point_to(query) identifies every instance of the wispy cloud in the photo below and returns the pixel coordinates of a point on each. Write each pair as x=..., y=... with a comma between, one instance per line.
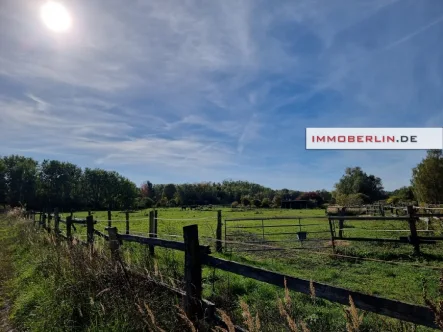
x=191, y=89
x=250, y=133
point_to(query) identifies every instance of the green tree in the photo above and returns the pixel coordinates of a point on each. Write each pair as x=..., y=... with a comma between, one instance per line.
x=403, y=194
x=352, y=199
x=143, y=203
x=104, y=189
x=256, y=202
x=59, y=184
x=126, y=194
x=355, y=181
x=325, y=195
x=162, y=202
x=169, y=191
x=21, y=180
x=427, y=178
x=276, y=202
x=265, y=203
x=245, y=200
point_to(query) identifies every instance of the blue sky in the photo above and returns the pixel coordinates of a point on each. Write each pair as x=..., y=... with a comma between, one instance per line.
x=189, y=91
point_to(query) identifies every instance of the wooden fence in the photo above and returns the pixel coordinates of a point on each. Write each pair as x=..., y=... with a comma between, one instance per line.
x=412, y=218
x=335, y=226
x=197, y=256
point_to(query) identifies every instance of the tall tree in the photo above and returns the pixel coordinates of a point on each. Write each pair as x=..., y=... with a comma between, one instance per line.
x=276, y=202
x=403, y=194
x=146, y=189
x=169, y=191
x=325, y=195
x=355, y=181
x=59, y=184
x=427, y=178
x=21, y=180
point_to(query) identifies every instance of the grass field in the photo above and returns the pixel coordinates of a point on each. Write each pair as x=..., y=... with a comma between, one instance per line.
x=401, y=282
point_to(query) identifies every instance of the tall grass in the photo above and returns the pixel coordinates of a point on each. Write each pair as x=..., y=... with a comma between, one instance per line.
x=61, y=287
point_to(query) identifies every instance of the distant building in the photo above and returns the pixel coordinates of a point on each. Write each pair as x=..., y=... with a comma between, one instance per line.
x=296, y=204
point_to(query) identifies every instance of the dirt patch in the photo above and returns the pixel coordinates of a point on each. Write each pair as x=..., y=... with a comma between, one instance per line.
x=340, y=243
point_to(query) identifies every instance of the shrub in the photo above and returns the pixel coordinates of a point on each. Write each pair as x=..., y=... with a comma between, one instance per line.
x=245, y=201
x=144, y=203
x=265, y=203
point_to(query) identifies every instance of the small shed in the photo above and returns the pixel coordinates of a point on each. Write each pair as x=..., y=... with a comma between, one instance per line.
x=295, y=204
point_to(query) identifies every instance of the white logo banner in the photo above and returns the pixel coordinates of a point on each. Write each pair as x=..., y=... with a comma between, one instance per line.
x=374, y=138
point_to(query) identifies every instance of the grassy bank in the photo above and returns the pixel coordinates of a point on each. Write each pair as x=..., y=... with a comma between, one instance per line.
x=55, y=287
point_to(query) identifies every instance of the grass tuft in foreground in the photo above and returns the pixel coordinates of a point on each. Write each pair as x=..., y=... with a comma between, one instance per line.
x=59, y=287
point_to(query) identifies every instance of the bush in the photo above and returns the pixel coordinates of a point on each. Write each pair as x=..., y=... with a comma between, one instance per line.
x=144, y=203
x=353, y=199
x=265, y=203
x=163, y=202
x=393, y=200
x=245, y=201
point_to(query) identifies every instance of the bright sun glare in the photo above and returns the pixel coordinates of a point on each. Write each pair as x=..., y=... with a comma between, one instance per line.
x=55, y=16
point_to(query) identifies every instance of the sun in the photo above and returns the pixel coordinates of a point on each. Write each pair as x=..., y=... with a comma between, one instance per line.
x=55, y=16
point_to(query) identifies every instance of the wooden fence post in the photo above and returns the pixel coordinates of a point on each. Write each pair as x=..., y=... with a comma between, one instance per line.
x=40, y=218
x=44, y=221
x=69, y=228
x=151, y=229
x=193, y=274
x=218, y=244
x=127, y=222
x=114, y=243
x=414, y=240
x=56, y=221
x=90, y=229
x=155, y=225
x=109, y=218
x=332, y=234
x=341, y=222
x=49, y=222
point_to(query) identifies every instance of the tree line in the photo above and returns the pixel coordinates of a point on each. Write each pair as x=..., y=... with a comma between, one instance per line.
x=25, y=182
x=51, y=183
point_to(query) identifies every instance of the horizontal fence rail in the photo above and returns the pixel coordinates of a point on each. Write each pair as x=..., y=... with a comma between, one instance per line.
x=160, y=243
x=396, y=309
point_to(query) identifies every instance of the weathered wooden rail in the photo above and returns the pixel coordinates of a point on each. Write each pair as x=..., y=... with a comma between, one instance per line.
x=412, y=218
x=197, y=256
